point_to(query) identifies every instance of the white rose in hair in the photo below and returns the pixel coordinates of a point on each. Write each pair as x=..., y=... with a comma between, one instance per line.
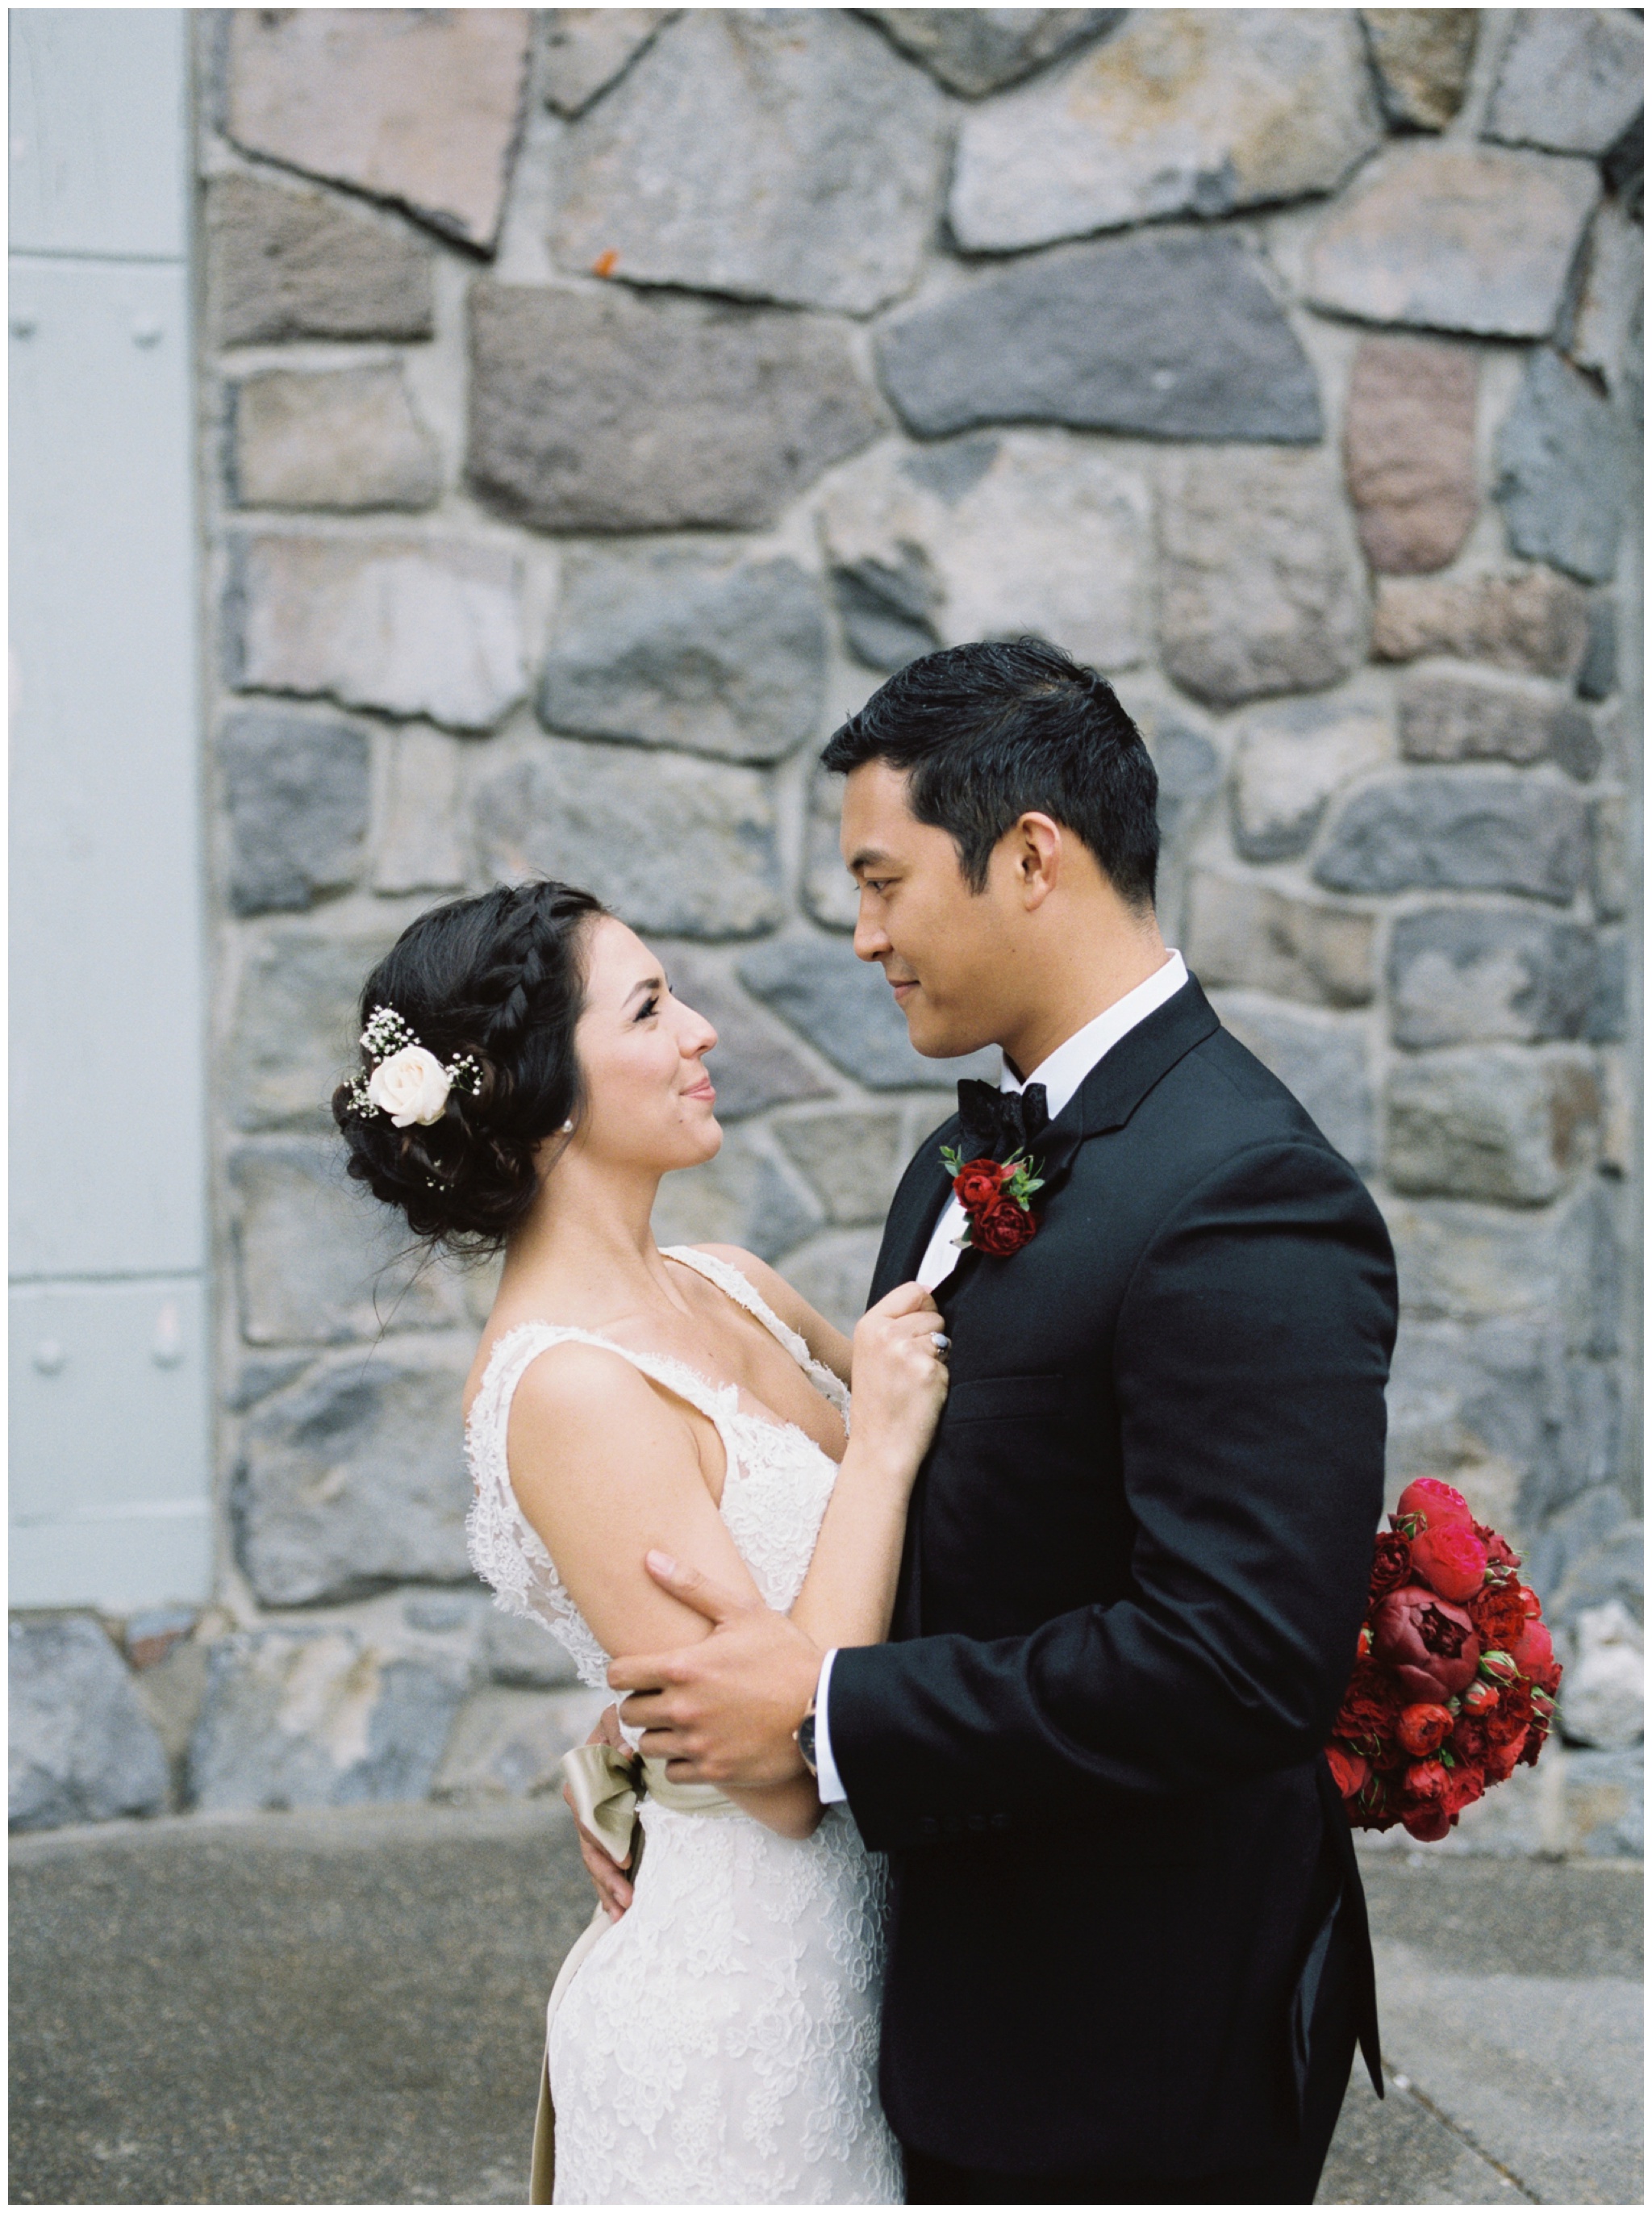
x=411, y=1086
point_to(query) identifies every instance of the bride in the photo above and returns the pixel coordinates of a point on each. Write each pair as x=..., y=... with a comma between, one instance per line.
x=526, y=1079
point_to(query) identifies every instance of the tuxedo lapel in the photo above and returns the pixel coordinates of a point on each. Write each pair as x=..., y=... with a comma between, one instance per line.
x=924, y=1189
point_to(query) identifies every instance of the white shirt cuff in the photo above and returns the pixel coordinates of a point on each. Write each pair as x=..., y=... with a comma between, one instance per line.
x=828, y=1782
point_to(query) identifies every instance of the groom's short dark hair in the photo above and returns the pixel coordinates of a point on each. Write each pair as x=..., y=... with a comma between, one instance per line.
x=991, y=732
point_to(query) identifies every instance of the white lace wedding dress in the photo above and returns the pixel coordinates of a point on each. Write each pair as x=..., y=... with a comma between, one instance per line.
x=719, y=2044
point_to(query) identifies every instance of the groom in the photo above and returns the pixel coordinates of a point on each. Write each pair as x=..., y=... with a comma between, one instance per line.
x=1129, y=1960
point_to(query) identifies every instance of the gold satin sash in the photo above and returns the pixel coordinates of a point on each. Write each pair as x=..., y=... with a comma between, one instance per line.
x=607, y=1786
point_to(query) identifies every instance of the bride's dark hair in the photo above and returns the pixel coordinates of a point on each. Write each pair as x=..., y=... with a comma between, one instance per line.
x=502, y=979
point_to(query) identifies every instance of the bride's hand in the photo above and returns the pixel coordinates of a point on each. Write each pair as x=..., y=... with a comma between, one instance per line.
x=899, y=1378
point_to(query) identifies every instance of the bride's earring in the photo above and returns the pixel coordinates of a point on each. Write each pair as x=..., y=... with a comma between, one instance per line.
x=566, y=1127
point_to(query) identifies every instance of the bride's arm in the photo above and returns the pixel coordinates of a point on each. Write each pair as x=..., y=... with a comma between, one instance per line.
x=900, y=1385
x=606, y=1469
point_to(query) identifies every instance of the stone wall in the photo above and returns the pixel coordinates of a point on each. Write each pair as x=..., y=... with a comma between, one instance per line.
x=595, y=404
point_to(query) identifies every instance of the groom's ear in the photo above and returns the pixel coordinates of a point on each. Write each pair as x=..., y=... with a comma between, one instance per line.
x=1037, y=851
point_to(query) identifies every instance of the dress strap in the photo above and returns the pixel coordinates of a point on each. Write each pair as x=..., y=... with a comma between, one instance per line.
x=729, y=1280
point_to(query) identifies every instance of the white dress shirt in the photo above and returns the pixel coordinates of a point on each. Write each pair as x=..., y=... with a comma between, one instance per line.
x=1061, y=1076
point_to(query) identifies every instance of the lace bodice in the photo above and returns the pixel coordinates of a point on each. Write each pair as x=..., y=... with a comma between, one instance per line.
x=774, y=1492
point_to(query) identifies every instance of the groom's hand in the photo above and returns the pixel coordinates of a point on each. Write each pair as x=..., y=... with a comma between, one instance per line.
x=724, y=1711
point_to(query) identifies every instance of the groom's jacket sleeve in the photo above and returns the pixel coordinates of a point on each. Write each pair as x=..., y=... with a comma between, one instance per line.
x=1250, y=1354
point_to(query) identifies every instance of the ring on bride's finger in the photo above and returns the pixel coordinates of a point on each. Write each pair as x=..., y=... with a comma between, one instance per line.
x=942, y=1343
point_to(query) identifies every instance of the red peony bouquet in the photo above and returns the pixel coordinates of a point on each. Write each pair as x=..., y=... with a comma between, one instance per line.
x=1455, y=1680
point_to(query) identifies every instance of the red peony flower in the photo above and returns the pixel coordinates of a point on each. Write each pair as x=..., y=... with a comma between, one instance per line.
x=1423, y=1728
x=1468, y=1740
x=1002, y=1228
x=1463, y=1785
x=1428, y=1644
x=1499, y=1552
x=1502, y=1760
x=1510, y=1718
x=977, y=1184
x=1533, y=1653
x=1435, y=1501
x=1349, y=1771
x=1370, y=1714
x=1499, y=1667
x=1499, y=1618
x=1428, y=1824
x=1480, y=1697
x=1450, y=1559
x=1392, y=1565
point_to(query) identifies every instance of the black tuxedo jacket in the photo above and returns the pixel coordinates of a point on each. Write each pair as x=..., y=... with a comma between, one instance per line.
x=1135, y=1570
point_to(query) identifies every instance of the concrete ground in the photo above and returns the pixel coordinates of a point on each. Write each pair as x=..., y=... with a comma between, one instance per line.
x=346, y=2007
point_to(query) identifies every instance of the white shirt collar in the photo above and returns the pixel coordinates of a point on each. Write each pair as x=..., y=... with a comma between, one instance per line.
x=1066, y=1068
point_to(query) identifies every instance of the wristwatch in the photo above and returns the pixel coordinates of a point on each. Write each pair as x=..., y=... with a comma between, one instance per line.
x=803, y=1736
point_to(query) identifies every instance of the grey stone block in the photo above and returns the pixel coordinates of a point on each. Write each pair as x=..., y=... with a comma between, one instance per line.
x=354, y=1477
x=1460, y=1262
x=1409, y=439
x=675, y=649
x=1562, y=462
x=1570, y=79
x=1242, y=932
x=1459, y=714
x=82, y=1748
x=323, y=1717
x=979, y=50
x=755, y=1063
x=1485, y=1404
x=1502, y=1123
x=1455, y=236
x=1032, y=531
x=1533, y=621
x=1168, y=334
x=412, y=626
x=1605, y=1805
x=672, y=844
x=509, y=1743
x=524, y=1654
x=1322, y=1060
x=1598, y=677
x=830, y=892
x=1601, y=326
x=1479, y=975
x=1289, y=760
x=296, y=791
x=297, y=1017
x=1484, y=830
x=1180, y=112
x=586, y=48
x=421, y=107
x=420, y=843
x=761, y=154
x=1603, y=1697
x=1262, y=589
x=852, y=1159
x=289, y=262
x=1609, y=869
x=1608, y=1015
x=342, y=438
x=1588, y=1553
x=747, y=1196
x=833, y=1273
x=1422, y=57
x=320, y=1261
x=847, y=1011
x=609, y=412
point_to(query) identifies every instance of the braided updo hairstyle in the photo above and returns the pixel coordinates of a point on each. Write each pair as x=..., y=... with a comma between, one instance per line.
x=501, y=978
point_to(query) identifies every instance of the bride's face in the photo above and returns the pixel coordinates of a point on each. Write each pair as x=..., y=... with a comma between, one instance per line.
x=648, y=1100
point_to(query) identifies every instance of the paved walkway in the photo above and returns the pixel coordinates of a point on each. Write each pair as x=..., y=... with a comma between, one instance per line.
x=344, y=2009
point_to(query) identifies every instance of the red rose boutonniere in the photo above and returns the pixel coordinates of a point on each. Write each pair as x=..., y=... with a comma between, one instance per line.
x=996, y=1197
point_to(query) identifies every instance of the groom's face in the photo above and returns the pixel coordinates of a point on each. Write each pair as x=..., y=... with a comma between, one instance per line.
x=948, y=952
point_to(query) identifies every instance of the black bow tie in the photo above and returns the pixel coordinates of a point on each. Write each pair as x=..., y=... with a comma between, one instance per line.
x=998, y=1125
